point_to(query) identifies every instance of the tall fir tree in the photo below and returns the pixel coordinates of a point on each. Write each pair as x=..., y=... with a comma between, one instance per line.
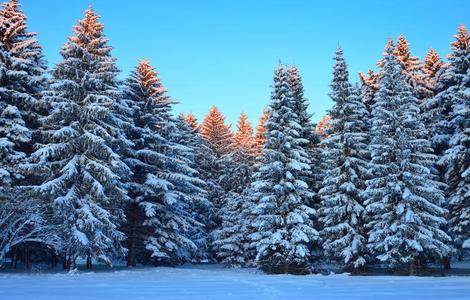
x=191, y=120
x=456, y=159
x=284, y=230
x=231, y=238
x=83, y=172
x=346, y=156
x=311, y=137
x=412, y=68
x=22, y=79
x=164, y=186
x=260, y=138
x=24, y=218
x=216, y=132
x=432, y=67
x=369, y=87
x=402, y=199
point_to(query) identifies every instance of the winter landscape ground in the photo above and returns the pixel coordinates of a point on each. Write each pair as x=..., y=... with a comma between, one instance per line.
x=217, y=282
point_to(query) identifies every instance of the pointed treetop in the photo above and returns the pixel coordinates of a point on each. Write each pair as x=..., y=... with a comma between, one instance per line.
x=13, y=23
x=244, y=134
x=462, y=39
x=191, y=120
x=89, y=34
x=432, y=63
x=150, y=80
x=260, y=137
x=216, y=132
x=403, y=54
x=388, y=45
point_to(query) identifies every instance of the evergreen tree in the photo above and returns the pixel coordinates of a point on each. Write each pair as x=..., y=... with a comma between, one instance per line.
x=402, y=199
x=260, y=138
x=456, y=159
x=242, y=157
x=308, y=133
x=284, y=231
x=346, y=156
x=191, y=120
x=412, y=68
x=216, y=132
x=323, y=127
x=369, y=87
x=230, y=240
x=164, y=187
x=82, y=170
x=23, y=218
x=22, y=79
x=431, y=69
x=439, y=108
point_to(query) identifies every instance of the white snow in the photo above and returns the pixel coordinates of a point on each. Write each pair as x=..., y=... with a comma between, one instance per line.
x=214, y=282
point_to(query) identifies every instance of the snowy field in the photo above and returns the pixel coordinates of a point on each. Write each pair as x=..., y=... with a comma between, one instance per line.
x=214, y=282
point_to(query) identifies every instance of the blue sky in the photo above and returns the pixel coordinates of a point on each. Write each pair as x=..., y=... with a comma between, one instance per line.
x=225, y=52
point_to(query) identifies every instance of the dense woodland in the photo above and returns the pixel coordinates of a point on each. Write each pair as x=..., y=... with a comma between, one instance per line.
x=98, y=170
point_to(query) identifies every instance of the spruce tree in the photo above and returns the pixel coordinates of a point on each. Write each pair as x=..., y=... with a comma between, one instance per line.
x=216, y=132
x=346, y=156
x=260, y=137
x=164, y=186
x=284, y=231
x=22, y=70
x=323, y=127
x=412, y=68
x=191, y=120
x=431, y=69
x=369, y=87
x=231, y=238
x=404, y=216
x=82, y=171
x=308, y=133
x=23, y=217
x=456, y=159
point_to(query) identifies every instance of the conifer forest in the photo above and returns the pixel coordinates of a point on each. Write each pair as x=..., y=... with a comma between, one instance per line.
x=99, y=172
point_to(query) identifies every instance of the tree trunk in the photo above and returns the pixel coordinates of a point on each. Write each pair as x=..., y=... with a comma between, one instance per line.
x=88, y=261
x=132, y=235
x=446, y=263
x=14, y=259
x=66, y=262
x=26, y=257
x=53, y=260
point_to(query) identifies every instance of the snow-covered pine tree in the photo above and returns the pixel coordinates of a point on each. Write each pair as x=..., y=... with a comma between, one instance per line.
x=260, y=137
x=164, y=186
x=284, y=231
x=456, y=160
x=369, y=87
x=22, y=79
x=431, y=69
x=219, y=138
x=412, y=68
x=404, y=216
x=216, y=132
x=323, y=127
x=345, y=154
x=231, y=238
x=242, y=157
x=82, y=171
x=202, y=209
x=191, y=120
x=313, y=178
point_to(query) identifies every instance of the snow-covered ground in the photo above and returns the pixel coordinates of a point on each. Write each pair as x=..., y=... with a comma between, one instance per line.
x=213, y=282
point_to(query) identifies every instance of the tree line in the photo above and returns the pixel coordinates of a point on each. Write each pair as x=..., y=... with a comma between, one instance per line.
x=95, y=169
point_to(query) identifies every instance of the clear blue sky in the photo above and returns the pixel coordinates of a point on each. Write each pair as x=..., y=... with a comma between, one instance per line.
x=224, y=52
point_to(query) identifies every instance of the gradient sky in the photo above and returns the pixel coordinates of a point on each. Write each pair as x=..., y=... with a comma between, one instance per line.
x=225, y=52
